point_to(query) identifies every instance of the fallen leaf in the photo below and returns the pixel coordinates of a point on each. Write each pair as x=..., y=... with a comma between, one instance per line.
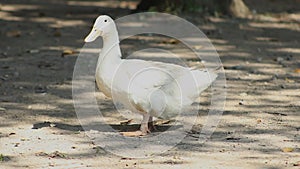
x=297, y=163
x=160, y=122
x=11, y=134
x=2, y=109
x=287, y=149
x=68, y=52
x=171, y=41
x=297, y=70
x=125, y=122
x=41, y=154
x=57, y=154
x=289, y=80
x=13, y=33
x=198, y=47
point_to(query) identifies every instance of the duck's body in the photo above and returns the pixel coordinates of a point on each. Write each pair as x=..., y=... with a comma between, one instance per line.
x=149, y=88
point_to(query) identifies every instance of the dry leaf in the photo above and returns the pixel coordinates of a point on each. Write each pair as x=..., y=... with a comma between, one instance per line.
x=11, y=134
x=68, y=52
x=171, y=41
x=161, y=122
x=41, y=154
x=297, y=70
x=13, y=33
x=125, y=122
x=198, y=47
x=287, y=149
x=297, y=163
x=289, y=80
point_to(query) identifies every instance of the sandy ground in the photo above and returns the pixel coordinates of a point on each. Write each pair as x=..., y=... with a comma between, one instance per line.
x=39, y=128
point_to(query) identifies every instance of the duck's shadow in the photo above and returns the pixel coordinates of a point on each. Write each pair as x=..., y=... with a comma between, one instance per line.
x=103, y=127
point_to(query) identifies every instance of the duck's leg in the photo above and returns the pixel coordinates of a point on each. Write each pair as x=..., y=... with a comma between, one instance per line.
x=151, y=124
x=144, y=130
x=144, y=125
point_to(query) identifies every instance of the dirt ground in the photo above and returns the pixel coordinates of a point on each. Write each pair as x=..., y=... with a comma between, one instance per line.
x=40, y=41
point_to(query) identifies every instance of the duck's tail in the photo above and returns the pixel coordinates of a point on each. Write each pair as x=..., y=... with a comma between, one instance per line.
x=194, y=82
x=204, y=78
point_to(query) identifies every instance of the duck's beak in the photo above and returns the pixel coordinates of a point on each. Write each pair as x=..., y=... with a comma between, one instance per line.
x=92, y=35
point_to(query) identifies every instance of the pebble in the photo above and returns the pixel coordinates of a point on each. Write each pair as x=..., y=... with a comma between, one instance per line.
x=259, y=59
x=241, y=102
x=279, y=59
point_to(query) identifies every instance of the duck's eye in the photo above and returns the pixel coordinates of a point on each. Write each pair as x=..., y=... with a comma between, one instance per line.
x=105, y=20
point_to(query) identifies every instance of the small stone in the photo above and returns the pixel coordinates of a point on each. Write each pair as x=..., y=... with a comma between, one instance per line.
x=279, y=59
x=241, y=102
x=259, y=59
x=52, y=125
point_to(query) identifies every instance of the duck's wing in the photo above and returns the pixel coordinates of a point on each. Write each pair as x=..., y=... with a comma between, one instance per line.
x=151, y=74
x=179, y=84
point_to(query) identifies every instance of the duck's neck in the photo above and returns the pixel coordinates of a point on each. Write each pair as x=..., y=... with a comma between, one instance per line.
x=110, y=53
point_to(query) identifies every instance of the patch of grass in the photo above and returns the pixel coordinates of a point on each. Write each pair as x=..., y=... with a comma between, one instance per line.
x=3, y=158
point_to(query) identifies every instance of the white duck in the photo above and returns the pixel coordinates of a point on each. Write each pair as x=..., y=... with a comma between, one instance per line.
x=149, y=88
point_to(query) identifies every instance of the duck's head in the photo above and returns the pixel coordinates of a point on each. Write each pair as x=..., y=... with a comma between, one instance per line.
x=102, y=27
